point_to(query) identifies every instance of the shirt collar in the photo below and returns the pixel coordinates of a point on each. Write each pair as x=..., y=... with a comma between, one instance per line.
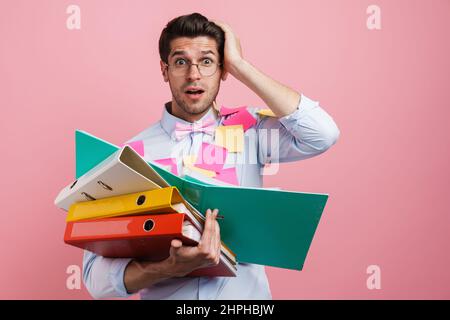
x=168, y=120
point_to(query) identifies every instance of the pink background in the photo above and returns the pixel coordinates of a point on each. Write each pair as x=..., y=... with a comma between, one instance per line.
x=388, y=91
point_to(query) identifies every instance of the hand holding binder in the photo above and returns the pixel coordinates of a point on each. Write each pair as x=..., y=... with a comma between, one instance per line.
x=205, y=254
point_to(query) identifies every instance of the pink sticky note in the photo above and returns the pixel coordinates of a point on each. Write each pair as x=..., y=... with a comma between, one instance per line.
x=224, y=111
x=242, y=117
x=228, y=176
x=211, y=157
x=138, y=146
x=172, y=162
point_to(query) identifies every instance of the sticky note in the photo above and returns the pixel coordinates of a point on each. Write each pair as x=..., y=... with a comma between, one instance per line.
x=228, y=175
x=137, y=146
x=224, y=111
x=241, y=117
x=211, y=157
x=189, y=161
x=170, y=163
x=266, y=112
x=230, y=137
x=208, y=173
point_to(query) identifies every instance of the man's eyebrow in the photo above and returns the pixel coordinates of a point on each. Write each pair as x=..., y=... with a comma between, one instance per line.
x=208, y=51
x=178, y=53
x=182, y=53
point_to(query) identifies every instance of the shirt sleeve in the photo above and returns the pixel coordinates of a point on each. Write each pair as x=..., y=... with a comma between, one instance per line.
x=305, y=133
x=104, y=277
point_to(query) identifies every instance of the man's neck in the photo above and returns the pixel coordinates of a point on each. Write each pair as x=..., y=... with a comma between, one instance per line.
x=180, y=113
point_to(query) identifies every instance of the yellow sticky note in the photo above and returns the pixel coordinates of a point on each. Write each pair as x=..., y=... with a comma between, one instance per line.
x=188, y=162
x=266, y=112
x=230, y=137
x=208, y=173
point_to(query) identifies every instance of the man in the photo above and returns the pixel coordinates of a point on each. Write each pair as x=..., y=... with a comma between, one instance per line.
x=196, y=54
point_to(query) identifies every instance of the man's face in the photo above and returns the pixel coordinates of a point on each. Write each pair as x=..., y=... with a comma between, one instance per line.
x=193, y=93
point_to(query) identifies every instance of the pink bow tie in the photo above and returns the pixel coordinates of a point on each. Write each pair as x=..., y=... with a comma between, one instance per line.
x=182, y=130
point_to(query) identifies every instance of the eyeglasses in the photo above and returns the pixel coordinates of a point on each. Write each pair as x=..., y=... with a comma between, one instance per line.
x=206, y=68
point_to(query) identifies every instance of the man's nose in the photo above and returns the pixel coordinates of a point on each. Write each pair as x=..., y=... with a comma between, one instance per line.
x=193, y=72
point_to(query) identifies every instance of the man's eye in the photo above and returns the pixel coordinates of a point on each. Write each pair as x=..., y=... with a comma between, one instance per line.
x=207, y=61
x=180, y=62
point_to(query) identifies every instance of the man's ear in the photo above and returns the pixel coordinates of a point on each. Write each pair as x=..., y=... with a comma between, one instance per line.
x=164, y=71
x=224, y=75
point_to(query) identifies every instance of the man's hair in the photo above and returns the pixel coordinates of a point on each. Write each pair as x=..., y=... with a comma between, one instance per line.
x=190, y=26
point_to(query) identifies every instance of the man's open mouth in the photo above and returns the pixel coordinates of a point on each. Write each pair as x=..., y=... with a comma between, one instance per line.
x=194, y=93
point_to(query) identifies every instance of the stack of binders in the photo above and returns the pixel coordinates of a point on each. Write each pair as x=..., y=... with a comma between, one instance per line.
x=122, y=208
x=261, y=226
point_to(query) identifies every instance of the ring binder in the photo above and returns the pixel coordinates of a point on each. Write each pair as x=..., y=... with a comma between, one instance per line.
x=128, y=237
x=123, y=172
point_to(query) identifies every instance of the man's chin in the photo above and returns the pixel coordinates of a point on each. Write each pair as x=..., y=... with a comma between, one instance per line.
x=196, y=109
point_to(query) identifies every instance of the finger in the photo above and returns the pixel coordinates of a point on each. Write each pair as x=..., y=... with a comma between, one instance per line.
x=207, y=229
x=175, y=246
x=219, y=23
x=217, y=238
x=176, y=243
x=213, y=243
x=225, y=27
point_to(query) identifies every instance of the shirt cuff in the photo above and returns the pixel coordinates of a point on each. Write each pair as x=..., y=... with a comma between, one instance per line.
x=116, y=276
x=302, y=111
